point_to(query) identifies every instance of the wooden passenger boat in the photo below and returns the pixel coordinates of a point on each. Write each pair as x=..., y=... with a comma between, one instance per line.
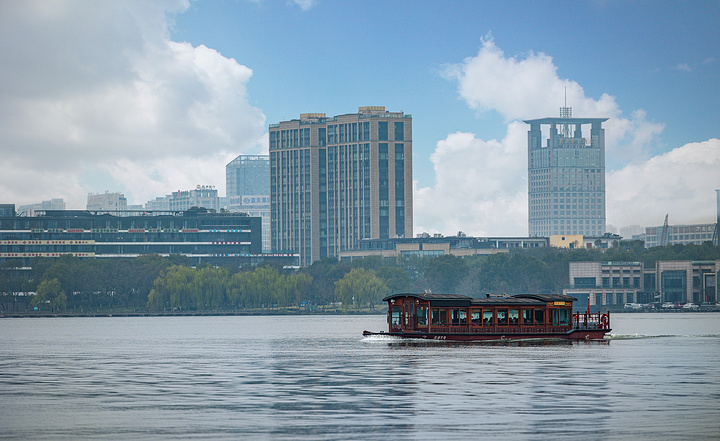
x=462, y=318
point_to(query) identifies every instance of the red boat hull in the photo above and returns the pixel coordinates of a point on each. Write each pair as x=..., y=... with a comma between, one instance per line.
x=576, y=334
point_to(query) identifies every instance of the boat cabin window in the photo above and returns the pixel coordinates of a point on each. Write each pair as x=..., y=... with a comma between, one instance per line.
x=487, y=317
x=463, y=317
x=564, y=316
x=395, y=315
x=502, y=316
x=435, y=316
x=422, y=316
x=554, y=318
x=443, y=317
x=514, y=314
x=539, y=316
x=476, y=317
x=527, y=316
x=455, y=317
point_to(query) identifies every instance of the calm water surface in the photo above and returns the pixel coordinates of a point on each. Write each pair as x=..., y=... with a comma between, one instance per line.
x=316, y=377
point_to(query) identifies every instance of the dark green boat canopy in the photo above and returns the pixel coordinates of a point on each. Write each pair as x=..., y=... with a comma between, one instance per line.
x=459, y=300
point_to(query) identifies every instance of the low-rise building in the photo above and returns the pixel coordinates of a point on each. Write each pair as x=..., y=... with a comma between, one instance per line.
x=216, y=238
x=30, y=209
x=426, y=245
x=611, y=285
x=679, y=234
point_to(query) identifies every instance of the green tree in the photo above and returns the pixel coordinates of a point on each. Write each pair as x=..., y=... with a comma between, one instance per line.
x=394, y=278
x=445, y=273
x=359, y=288
x=50, y=293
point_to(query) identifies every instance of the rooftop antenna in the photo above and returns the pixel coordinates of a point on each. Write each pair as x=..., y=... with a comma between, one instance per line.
x=565, y=112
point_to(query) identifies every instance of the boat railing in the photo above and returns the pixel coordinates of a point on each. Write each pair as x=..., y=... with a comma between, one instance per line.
x=591, y=320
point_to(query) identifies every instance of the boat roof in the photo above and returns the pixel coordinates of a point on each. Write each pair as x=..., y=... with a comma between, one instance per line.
x=463, y=300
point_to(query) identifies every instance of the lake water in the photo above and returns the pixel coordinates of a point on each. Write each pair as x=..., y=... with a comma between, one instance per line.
x=316, y=377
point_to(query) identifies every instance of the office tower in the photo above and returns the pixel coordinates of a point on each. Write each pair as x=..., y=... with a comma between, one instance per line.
x=566, y=176
x=248, y=189
x=336, y=180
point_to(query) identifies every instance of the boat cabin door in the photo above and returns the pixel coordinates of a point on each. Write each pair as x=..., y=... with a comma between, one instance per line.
x=409, y=311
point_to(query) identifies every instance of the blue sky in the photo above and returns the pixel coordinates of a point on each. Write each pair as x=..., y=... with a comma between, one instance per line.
x=151, y=97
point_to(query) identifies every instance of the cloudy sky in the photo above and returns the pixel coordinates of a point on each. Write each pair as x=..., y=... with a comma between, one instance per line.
x=146, y=98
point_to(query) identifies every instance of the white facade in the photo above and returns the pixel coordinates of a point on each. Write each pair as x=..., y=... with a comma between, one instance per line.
x=30, y=209
x=203, y=196
x=106, y=202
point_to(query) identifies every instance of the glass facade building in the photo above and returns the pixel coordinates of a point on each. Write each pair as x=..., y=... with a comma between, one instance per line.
x=248, y=175
x=337, y=180
x=566, y=176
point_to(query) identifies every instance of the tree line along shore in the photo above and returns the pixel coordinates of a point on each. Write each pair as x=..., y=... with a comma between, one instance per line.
x=158, y=285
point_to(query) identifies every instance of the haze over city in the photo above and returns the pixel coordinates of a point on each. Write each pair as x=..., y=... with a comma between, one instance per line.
x=146, y=98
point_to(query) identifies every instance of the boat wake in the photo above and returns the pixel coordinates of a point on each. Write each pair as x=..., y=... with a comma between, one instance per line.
x=382, y=338
x=644, y=336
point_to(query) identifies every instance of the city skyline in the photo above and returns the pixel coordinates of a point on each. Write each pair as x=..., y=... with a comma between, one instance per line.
x=148, y=98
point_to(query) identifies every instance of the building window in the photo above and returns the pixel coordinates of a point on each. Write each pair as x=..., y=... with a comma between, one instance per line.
x=399, y=131
x=382, y=130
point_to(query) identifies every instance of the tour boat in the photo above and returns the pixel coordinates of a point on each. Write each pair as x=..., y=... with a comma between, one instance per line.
x=519, y=317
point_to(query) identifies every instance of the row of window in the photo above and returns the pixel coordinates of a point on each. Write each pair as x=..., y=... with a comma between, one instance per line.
x=480, y=316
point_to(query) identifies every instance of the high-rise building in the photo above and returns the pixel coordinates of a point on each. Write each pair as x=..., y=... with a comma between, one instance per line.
x=337, y=180
x=566, y=176
x=248, y=189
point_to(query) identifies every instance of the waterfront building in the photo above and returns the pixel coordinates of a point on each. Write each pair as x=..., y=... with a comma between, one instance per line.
x=610, y=285
x=679, y=234
x=30, y=209
x=566, y=176
x=216, y=238
x=425, y=245
x=106, y=202
x=247, y=179
x=337, y=180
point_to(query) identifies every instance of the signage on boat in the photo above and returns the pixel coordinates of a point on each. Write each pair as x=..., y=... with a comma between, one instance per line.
x=558, y=303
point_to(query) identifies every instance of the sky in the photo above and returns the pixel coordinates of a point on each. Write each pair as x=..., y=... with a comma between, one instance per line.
x=146, y=98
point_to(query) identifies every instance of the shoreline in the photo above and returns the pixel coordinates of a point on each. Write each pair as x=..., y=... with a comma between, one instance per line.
x=181, y=314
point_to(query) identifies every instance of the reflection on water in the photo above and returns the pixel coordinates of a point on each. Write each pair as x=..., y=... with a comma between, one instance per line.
x=317, y=377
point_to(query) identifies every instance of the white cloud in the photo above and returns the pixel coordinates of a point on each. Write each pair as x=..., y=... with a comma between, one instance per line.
x=680, y=183
x=481, y=186
x=98, y=87
x=528, y=87
x=684, y=67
